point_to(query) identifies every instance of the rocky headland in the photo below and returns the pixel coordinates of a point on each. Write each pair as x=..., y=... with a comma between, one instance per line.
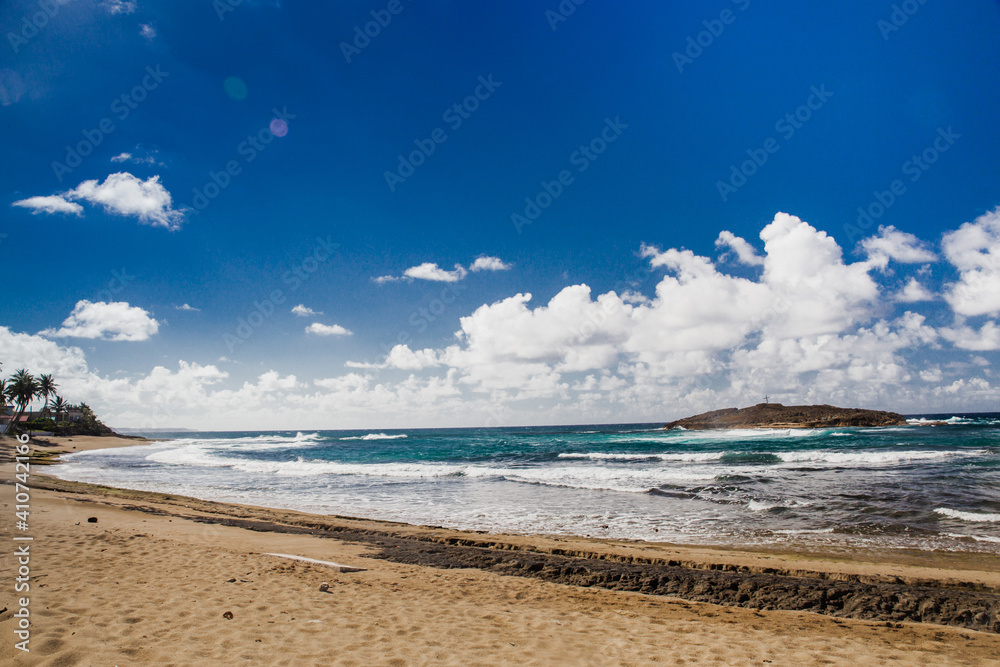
x=776, y=415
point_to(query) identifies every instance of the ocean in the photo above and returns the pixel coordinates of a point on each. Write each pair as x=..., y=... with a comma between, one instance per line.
x=909, y=487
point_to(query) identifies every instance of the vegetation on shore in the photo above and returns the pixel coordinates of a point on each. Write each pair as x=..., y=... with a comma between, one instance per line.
x=22, y=388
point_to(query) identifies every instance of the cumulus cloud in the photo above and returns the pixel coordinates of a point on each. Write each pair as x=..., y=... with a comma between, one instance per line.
x=486, y=263
x=892, y=244
x=974, y=249
x=327, y=330
x=745, y=252
x=402, y=357
x=148, y=31
x=810, y=327
x=120, y=194
x=186, y=306
x=914, y=292
x=987, y=337
x=106, y=321
x=809, y=315
x=49, y=204
x=302, y=311
x=432, y=272
x=124, y=194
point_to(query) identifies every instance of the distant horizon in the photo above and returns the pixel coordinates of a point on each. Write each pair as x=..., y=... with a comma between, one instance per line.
x=908, y=415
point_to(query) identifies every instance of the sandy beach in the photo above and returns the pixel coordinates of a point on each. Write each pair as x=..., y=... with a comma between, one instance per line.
x=160, y=579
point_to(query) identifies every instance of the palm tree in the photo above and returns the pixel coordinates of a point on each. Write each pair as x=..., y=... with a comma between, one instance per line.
x=60, y=405
x=23, y=388
x=46, y=387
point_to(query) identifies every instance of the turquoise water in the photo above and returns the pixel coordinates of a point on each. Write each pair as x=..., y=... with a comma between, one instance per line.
x=915, y=486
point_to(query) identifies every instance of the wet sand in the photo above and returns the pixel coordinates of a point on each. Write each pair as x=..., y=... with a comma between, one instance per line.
x=161, y=579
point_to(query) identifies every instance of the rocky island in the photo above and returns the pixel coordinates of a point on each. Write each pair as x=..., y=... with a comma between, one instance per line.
x=776, y=415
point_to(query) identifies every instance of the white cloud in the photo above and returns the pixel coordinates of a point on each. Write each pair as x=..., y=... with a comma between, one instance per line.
x=327, y=329
x=432, y=272
x=486, y=263
x=49, y=204
x=402, y=357
x=121, y=194
x=914, y=292
x=40, y=355
x=119, y=6
x=892, y=244
x=302, y=311
x=124, y=194
x=799, y=319
x=974, y=249
x=148, y=31
x=106, y=321
x=148, y=158
x=809, y=328
x=744, y=251
x=967, y=338
x=187, y=307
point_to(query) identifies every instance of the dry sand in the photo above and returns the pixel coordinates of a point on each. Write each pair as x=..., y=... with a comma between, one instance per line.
x=147, y=584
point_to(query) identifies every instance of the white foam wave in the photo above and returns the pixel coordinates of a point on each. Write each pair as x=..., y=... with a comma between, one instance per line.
x=803, y=531
x=581, y=477
x=977, y=517
x=862, y=458
x=977, y=538
x=745, y=434
x=375, y=436
x=605, y=479
x=881, y=457
x=614, y=456
x=950, y=420
x=758, y=506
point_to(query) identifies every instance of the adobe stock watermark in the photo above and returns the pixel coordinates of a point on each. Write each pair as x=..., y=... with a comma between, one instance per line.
x=425, y=315
x=363, y=36
x=696, y=44
x=454, y=116
x=223, y=7
x=914, y=168
x=581, y=158
x=293, y=279
x=786, y=126
x=246, y=152
x=562, y=12
x=121, y=108
x=900, y=14
x=32, y=23
x=116, y=284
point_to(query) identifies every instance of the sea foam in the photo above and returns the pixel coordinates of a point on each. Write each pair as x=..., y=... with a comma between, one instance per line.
x=977, y=517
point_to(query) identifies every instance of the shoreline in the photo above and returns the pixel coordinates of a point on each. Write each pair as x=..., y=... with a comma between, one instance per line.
x=848, y=561
x=657, y=585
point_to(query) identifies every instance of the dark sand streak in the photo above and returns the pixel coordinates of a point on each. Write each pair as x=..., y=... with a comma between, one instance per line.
x=888, y=599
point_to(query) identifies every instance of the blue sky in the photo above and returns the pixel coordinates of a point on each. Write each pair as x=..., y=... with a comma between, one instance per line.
x=679, y=133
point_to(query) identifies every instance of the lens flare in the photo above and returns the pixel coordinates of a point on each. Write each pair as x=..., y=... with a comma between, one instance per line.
x=279, y=128
x=235, y=88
